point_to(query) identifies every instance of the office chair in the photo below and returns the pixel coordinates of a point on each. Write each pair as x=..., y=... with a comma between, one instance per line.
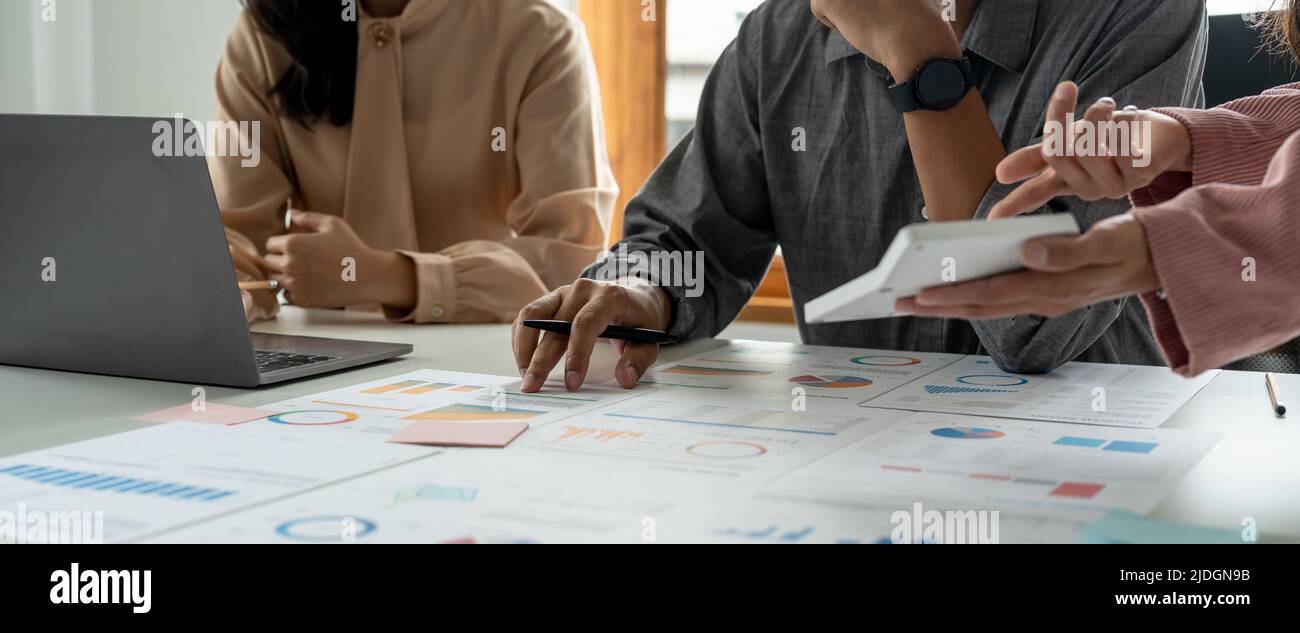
x=1235, y=68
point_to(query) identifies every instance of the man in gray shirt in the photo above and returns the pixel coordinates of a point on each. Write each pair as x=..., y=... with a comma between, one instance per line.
x=800, y=144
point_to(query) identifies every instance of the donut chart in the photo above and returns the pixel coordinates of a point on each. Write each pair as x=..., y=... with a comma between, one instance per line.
x=992, y=380
x=325, y=529
x=886, y=361
x=313, y=418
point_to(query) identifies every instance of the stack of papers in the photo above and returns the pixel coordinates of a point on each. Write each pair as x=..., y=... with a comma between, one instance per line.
x=755, y=442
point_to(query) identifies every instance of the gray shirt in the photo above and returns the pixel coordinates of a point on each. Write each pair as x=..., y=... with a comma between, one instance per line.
x=736, y=187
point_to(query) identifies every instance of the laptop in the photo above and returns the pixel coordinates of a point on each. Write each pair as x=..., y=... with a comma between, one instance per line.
x=114, y=261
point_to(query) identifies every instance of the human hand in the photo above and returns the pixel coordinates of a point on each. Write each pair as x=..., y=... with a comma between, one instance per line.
x=314, y=260
x=591, y=306
x=1156, y=144
x=1065, y=274
x=250, y=267
x=900, y=34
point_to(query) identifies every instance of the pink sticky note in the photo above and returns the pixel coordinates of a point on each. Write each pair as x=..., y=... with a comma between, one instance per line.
x=212, y=414
x=461, y=434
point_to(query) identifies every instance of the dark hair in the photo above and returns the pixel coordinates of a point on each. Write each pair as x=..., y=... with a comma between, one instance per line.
x=321, y=83
x=1282, y=30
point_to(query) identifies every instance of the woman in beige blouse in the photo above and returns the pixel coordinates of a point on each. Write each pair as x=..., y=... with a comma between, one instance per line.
x=443, y=159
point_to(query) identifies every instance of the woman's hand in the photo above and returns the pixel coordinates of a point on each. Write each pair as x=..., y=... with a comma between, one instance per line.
x=1110, y=261
x=249, y=267
x=323, y=263
x=1156, y=144
x=250, y=308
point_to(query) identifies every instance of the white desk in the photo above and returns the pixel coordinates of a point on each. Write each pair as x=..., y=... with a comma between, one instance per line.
x=1253, y=472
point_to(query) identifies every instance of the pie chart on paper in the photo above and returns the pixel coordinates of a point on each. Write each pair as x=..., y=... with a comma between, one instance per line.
x=831, y=382
x=967, y=433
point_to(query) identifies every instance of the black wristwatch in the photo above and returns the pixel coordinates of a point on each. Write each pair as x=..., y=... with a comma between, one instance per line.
x=939, y=84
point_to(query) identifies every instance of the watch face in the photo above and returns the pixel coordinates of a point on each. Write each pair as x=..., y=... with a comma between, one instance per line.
x=941, y=85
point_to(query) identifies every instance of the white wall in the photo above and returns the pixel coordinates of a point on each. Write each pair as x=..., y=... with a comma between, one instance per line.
x=159, y=57
x=15, y=56
x=116, y=57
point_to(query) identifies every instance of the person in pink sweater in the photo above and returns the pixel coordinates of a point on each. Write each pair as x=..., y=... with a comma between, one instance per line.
x=1212, y=246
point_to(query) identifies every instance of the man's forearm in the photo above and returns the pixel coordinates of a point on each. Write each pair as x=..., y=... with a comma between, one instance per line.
x=956, y=151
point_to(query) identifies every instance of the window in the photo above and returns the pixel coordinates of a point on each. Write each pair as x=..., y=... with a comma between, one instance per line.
x=698, y=32
x=652, y=73
x=1226, y=7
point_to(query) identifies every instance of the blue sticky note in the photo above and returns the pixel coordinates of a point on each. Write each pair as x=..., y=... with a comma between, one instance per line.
x=1134, y=529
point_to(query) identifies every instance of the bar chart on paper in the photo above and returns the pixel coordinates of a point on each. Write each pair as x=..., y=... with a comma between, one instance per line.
x=420, y=387
x=1016, y=465
x=507, y=404
x=161, y=476
x=475, y=413
x=101, y=482
x=400, y=396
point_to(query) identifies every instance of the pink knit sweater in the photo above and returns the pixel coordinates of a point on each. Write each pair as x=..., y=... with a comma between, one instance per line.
x=1226, y=239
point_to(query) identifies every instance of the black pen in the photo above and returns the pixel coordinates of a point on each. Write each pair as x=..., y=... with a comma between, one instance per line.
x=613, y=332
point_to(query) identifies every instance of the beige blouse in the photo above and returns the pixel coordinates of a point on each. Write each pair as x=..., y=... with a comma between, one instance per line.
x=438, y=89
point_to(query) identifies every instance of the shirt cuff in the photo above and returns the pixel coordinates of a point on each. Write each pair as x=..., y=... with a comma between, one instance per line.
x=1165, y=328
x=1188, y=325
x=1213, y=138
x=435, y=282
x=688, y=313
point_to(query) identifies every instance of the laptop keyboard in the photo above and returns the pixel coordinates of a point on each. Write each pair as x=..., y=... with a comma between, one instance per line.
x=271, y=361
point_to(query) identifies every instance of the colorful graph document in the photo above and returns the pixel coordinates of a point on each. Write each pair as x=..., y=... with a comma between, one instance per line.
x=459, y=497
x=752, y=443
x=157, y=478
x=770, y=517
x=505, y=403
x=421, y=507
x=691, y=448
x=801, y=378
x=1012, y=465
x=400, y=396
x=1087, y=393
x=381, y=409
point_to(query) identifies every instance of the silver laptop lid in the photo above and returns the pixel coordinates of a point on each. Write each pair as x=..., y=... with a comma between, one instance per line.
x=114, y=259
